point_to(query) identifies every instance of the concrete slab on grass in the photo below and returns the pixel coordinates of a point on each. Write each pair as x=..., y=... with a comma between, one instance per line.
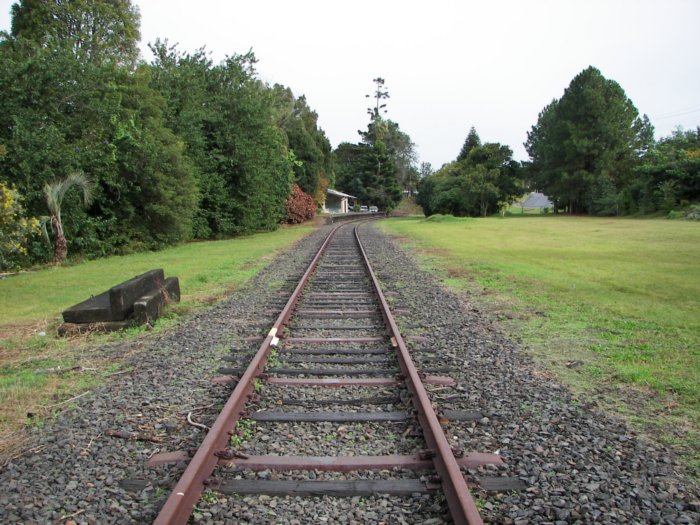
x=136, y=301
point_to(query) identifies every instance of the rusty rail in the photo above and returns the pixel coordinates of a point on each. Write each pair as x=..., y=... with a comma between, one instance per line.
x=459, y=499
x=189, y=488
x=197, y=475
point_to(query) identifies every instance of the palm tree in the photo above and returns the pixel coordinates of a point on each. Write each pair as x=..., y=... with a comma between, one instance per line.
x=55, y=192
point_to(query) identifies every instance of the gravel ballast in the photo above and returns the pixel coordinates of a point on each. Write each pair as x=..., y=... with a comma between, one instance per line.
x=579, y=465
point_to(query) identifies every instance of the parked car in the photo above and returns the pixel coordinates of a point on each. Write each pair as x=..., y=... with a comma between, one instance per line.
x=363, y=208
x=373, y=209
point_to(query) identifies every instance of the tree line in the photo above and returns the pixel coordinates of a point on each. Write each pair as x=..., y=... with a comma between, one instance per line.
x=182, y=148
x=176, y=149
x=590, y=151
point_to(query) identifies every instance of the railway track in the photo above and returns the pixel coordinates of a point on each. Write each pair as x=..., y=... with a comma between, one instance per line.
x=335, y=362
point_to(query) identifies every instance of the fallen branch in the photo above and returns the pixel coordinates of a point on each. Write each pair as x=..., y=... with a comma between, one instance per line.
x=197, y=409
x=60, y=370
x=133, y=436
x=67, y=400
x=119, y=372
x=67, y=516
x=194, y=424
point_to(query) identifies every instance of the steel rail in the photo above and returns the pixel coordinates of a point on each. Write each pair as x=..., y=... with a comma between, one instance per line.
x=179, y=505
x=461, y=504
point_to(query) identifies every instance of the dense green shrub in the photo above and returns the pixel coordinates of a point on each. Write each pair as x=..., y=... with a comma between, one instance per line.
x=16, y=230
x=226, y=118
x=60, y=115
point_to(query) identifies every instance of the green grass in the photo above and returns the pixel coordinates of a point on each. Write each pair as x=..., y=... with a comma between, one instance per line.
x=37, y=372
x=204, y=268
x=618, y=298
x=516, y=210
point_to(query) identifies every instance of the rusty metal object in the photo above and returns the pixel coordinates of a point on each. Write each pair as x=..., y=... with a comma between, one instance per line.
x=342, y=381
x=321, y=340
x=459, y=499
x=350, y=463
x=234, y=458
x=178, y=507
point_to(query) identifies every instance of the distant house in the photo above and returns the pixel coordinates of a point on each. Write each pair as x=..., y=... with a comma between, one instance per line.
x=338, y=202
x=535, y=200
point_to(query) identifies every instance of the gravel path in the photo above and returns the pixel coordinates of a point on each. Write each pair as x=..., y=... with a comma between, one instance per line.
x=580, y=466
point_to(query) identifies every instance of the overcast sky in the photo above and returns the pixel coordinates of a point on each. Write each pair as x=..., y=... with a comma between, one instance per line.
x=448, y=65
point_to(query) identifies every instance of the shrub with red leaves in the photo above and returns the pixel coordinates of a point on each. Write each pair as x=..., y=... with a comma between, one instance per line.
x=300, y=206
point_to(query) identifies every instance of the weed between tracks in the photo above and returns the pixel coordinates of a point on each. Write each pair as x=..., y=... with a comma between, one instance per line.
x=245, y=428
x=273, y=360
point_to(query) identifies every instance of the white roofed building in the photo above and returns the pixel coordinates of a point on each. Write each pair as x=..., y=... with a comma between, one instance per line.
x=338, y=202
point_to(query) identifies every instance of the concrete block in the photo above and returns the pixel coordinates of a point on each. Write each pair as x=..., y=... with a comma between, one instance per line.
x=172, y=288
x=117, y=303
x=94, y=310
x=138, y=300
x=122, y=296
x=149, y=307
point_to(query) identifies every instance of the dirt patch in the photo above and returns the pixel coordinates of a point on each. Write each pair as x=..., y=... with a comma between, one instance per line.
x=434, y=252
x=19, y=331
x=209, y=299
x=458, y=272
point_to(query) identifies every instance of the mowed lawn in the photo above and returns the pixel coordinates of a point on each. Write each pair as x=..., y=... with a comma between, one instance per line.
x=205, y=270
x=616, y=300
x=39, y=372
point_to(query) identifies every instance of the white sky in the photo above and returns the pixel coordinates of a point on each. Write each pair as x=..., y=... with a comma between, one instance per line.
x=448, y=65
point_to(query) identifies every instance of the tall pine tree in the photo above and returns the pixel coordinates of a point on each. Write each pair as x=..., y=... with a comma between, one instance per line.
x=472, y=141
x=585, y=145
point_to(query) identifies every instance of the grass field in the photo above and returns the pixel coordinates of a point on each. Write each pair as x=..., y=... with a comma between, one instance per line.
x=31, y=303
x=205, y=270
x=606, y=303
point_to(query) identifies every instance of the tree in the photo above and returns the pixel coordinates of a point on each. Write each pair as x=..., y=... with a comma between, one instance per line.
x=227, y=118
x=382, y=184
x=391, y=151
x=15, y=229
x=472, y=141
x=370, y=170
x=158, y=183
x=357, y=174
x=380, y=94
x=55, y=193
x=61, y=113
x=474, y=186
x=399, y=147
x=350, y=162
x=315, y=171
x=94, y=30
x=592, y=134
x=482, y=185
x=668, y=174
